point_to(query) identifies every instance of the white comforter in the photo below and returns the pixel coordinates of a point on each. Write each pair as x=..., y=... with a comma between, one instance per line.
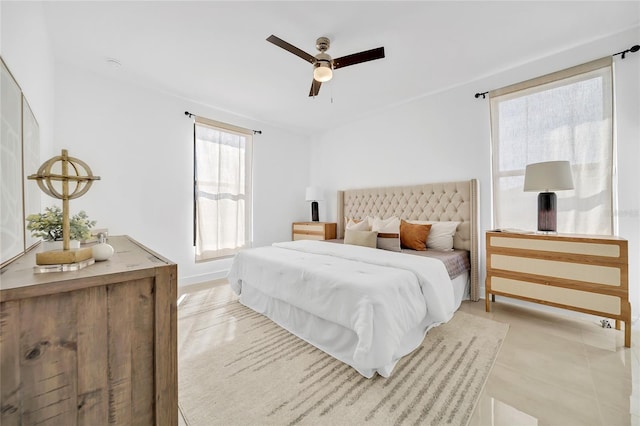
x=381, y=296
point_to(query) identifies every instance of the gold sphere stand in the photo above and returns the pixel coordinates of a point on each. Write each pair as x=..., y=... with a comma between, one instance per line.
x=45, y=179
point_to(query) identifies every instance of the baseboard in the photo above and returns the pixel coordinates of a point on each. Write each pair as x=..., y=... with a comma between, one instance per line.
x=193, y=288
x=198, y=279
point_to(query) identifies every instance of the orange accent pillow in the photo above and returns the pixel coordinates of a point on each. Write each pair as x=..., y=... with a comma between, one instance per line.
x=414, y=236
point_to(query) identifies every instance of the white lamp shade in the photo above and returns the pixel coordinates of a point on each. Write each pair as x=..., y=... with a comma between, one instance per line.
x=548, y=176
x=314, y=194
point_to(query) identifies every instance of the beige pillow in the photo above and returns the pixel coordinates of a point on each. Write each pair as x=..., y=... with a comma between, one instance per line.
x=360, y=238
x=388, y=233
x=414, y=236
x=357, y=225
x=440, y=235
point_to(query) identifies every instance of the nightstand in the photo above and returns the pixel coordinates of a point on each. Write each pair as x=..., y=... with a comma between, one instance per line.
x=584, y=273
x=313, y=231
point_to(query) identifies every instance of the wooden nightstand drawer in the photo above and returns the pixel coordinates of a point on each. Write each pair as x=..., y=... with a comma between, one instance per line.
x=313, y=231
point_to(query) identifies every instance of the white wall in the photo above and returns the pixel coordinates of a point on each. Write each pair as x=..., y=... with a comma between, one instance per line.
x=140, y=143
x=446, y=136
x=25, y=48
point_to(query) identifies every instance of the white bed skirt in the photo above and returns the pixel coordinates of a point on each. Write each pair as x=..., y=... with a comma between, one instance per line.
x=332, y=338
x=461, y=288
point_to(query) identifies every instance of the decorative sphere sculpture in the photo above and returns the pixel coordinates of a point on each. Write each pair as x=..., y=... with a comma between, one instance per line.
x=74, y=171
x=74, y=179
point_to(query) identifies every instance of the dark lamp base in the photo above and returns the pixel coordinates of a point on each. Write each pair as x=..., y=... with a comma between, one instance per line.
x=547, y=217
x=314, y=211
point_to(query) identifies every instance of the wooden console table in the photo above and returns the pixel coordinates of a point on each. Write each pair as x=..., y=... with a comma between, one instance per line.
x=585, y=273
x=89, y=347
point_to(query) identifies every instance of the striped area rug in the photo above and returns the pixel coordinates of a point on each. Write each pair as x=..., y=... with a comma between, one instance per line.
x=237, y=367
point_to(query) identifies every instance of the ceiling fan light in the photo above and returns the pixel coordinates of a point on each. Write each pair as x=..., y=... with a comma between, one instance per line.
x=322, y=73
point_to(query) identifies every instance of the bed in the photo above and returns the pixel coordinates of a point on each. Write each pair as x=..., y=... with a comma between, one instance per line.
x=367, y=307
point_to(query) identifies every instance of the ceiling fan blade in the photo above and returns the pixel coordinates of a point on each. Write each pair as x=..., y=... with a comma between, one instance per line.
x=315, y=88
x=356, y=58
x=291, y=48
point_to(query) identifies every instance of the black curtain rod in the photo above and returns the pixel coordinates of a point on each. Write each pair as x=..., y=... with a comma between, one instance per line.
x=632, y=49
x=255, y=132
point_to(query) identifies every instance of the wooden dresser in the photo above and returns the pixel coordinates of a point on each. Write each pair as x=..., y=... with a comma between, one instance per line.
x=313, y=231
x=91, y=347
x=585, y=273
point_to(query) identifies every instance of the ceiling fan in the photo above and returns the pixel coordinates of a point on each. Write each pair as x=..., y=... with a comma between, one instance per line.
x=323, y=65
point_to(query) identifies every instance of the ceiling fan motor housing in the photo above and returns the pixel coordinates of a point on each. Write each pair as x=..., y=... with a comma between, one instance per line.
x=322, y=44
x=323, y=58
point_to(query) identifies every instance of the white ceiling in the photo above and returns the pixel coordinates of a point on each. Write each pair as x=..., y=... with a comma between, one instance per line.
x=215, y=53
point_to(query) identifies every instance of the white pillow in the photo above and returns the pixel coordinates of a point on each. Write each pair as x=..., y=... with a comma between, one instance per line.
x=363, y=225
x=390, y=224
x=441, y=234
x=388, y=233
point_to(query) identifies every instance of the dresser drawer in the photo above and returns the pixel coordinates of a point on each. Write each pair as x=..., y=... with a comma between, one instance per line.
x=597, y=274
x=583, y=300
x=561, y=247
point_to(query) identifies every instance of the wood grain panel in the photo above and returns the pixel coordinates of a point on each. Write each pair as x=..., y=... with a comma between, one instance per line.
x=166, y=334
x=93, y=390
x=142, y=354
x=119, y=342
x=11, y=406
x=49, y=360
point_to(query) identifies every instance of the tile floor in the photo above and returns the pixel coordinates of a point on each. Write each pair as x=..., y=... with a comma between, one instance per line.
x=556, y=369
x=559, y=369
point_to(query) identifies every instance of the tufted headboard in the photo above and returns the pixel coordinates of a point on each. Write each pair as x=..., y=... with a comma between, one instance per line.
x=447, y=201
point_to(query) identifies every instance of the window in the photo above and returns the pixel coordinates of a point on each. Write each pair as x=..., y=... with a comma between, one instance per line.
x=222, y=189
x=566, y=115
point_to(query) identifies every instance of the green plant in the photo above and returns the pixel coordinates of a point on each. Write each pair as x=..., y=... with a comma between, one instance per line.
x=48, y=225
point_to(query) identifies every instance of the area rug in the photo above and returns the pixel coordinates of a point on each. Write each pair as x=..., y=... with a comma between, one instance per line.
x=237, y=367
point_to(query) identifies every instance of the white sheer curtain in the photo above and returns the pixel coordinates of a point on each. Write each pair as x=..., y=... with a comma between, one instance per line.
x=561, y=116
x=222, y=189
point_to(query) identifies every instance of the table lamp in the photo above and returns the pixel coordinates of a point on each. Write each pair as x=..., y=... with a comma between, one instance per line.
x=547, y=177
x=314, y=194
